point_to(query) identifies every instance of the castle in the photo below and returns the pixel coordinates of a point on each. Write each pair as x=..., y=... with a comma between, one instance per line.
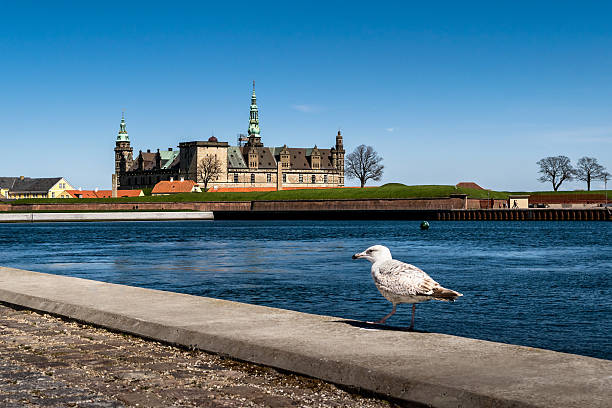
x=243, y=167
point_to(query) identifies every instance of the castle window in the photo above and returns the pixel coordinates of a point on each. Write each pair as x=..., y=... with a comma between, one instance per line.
x=325, y=178
x=284, y=177
x=269, y=177
x=314, y=179
x=252, y=178
x=235, y=177
x=301, y=178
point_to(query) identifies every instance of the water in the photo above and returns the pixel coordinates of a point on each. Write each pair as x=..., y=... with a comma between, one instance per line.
x=539, y=284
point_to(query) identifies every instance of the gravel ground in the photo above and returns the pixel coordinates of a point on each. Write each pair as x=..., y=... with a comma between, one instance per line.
x=51, y=362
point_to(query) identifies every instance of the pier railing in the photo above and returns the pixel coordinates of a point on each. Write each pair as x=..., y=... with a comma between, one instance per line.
x=530, y=214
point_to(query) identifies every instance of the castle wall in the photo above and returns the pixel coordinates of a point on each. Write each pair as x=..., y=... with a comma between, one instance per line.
x=221, y=153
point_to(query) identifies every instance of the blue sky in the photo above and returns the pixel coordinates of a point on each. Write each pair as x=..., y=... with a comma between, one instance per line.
x=446, y=92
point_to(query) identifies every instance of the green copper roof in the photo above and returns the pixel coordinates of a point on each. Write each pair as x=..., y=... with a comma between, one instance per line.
x=167, y=157
x=122, y=136
x=254, y=115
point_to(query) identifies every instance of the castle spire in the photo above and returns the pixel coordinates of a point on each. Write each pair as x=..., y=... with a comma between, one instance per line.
x=122, y=136
x=254, y=115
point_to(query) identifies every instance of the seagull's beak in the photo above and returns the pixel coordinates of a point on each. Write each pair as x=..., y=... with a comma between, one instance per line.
x=359, y=255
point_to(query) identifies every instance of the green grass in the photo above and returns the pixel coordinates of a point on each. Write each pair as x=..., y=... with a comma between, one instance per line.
x=392, y=190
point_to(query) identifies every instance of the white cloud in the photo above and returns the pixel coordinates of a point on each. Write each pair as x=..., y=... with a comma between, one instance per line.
x=391, y=129
x=306, y=108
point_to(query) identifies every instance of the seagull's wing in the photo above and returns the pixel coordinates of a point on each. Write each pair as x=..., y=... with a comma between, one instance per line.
x=406, y=280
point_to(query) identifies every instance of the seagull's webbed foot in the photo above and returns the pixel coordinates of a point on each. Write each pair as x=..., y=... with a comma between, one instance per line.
x=381, y=321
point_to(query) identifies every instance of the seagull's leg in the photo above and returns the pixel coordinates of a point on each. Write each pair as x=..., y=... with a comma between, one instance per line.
x=412, y=321
x=381, y=321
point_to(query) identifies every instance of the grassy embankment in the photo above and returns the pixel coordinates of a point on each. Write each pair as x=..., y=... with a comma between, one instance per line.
x=392, y=190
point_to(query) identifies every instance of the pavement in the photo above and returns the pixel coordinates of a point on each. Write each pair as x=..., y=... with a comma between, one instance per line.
x=430, y=369
x=51, y=362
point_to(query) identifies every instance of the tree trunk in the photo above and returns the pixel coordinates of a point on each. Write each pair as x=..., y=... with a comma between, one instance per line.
x=588, y=183
x=362, y=182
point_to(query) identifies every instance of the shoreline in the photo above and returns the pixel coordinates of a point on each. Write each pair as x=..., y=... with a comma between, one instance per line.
x=175, y=214
x=427, y=368
x=35, y=217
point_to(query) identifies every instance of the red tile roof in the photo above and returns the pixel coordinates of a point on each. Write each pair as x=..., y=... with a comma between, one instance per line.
x=103, y=193
x=171, y=187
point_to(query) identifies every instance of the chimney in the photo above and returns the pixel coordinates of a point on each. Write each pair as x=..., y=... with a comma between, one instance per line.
x=182, y=178
x=21, y=177
x=148, y=150
x=171, y=179
x=96, y=189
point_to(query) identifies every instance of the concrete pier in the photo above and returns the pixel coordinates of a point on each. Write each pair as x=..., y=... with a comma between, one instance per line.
x=106, y=216
x=424, y=368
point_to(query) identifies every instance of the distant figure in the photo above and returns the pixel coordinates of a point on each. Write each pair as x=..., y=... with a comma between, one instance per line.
x=400, y=282
x=515, y=205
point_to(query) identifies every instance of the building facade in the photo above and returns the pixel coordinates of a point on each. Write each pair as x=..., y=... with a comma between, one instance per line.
x=252, y=165
x=26, y=187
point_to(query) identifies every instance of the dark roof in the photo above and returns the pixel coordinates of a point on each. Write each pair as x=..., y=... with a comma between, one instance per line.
x=266, y=159
x=7, y=182
x=300, y=158
x=34, y=184
x=326, y=162
x=148, y=161
x=235, y=160
x=269, y=156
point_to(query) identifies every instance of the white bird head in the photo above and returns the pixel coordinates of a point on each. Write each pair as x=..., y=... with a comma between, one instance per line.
x=376, y=253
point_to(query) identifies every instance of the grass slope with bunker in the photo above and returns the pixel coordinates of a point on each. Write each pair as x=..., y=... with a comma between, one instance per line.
x=392, y=190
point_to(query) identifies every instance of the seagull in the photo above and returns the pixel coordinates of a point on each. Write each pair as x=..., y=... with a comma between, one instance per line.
x=400, y=282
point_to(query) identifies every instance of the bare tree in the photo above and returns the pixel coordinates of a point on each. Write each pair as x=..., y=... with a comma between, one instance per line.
x=555, y=169
x=364, y=164
x=587, y=169
x=209, y=169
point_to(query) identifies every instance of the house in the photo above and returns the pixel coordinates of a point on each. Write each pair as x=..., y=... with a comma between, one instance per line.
x=26, y=187
x=6, y=183
x=104, y=193
x=171, y=186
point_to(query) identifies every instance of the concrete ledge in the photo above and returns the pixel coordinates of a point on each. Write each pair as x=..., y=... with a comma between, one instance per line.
x=424, y=368
x=107, y=216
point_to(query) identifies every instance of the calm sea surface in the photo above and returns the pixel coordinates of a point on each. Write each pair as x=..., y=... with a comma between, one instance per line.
x=539, y=284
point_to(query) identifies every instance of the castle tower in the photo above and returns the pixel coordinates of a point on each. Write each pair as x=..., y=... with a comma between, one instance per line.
x=339, y=151
x=254, y=139
x=123, y=151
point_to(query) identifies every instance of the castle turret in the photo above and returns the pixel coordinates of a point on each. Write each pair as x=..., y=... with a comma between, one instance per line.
x=123, y=151
x=340, y=156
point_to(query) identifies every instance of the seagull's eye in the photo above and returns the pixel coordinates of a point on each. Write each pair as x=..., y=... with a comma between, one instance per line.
x=368, y=251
